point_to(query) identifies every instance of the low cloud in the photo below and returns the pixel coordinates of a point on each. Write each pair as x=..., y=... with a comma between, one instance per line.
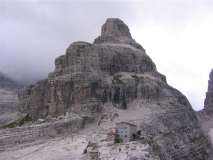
x=176, y=34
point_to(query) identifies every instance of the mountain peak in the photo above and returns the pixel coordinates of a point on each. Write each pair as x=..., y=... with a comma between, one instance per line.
x=115, y=27
x=114, y=30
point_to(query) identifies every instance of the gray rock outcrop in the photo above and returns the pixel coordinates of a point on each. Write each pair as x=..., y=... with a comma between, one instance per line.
x=116, y=71
x=205, y=116
x=116, y=31
x=208, y=103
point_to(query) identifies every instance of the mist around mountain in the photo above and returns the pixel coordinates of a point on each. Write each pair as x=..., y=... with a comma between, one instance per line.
x=8, y=83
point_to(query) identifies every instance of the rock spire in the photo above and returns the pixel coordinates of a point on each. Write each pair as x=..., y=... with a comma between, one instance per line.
x=115, y=30
x=208, y=103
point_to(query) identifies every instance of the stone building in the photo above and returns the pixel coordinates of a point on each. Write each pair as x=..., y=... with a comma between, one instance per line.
x=126, y=131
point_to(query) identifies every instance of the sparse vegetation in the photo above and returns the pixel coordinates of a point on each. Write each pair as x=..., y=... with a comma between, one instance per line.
x=18, y=122
x=117, y=139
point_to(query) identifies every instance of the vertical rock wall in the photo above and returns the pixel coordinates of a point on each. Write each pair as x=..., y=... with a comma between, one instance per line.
x=208, y=104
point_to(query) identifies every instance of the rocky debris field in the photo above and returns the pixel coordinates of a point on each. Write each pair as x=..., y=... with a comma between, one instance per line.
x=72, y=145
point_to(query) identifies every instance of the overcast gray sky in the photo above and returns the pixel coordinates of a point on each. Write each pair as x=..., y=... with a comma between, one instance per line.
x=177, y=35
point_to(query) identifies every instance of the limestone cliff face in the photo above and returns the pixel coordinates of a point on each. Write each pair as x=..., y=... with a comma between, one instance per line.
x=116, y=71
x=89, y=75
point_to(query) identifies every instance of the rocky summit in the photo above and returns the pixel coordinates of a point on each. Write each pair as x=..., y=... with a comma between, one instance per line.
x=106, y=82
